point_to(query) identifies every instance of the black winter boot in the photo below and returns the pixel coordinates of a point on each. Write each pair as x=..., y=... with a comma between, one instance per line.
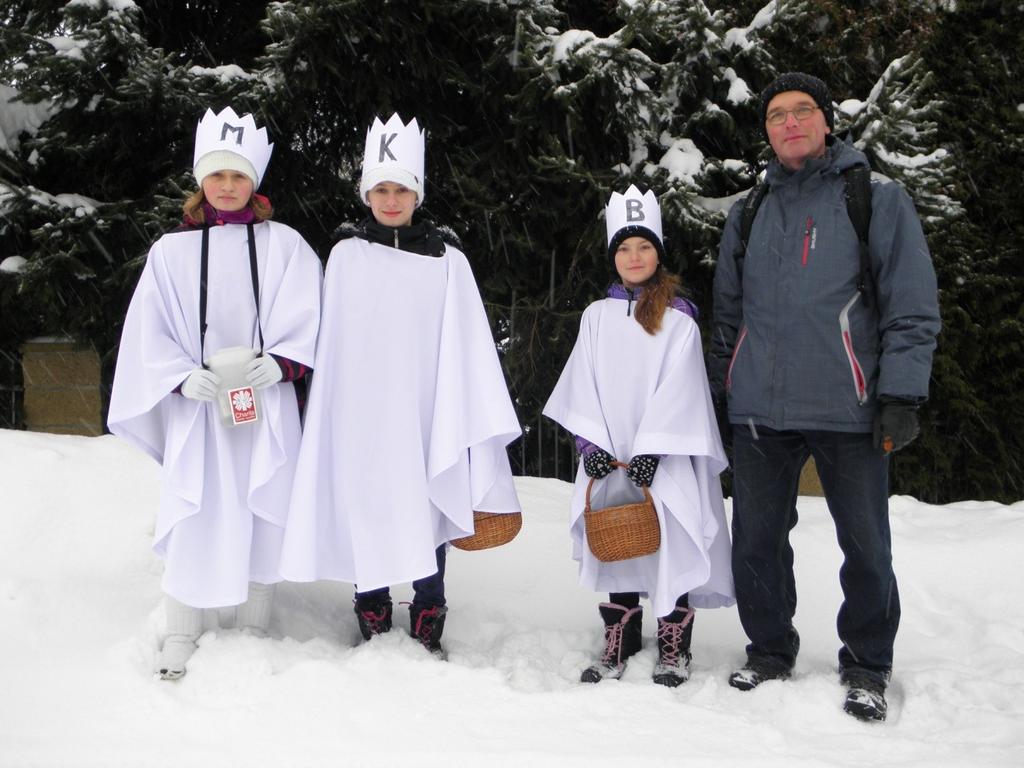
x=865, y=694
x=622, y=638
x=674, y=634
x=374, y=617
x=757, y=670
x=426, y=623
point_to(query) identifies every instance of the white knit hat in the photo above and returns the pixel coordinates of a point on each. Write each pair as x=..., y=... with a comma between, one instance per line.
x=222, y=160
x=225, y=141
x=394, y=152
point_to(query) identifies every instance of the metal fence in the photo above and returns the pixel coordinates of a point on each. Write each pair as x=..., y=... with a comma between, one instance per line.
x=535, y=340
x=12, y=391
x=544, y=450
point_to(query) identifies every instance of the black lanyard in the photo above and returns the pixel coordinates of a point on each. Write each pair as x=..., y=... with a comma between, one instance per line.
x=204, y=269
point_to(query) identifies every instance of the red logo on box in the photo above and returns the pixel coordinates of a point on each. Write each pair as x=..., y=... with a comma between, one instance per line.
x=243, y=405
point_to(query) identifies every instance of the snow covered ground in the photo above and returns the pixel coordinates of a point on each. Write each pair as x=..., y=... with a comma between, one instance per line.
x=79, y=620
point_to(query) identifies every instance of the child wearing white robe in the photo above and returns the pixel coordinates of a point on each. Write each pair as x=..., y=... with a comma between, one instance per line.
x=634, y=390
x=409, y=415
x=229, y=277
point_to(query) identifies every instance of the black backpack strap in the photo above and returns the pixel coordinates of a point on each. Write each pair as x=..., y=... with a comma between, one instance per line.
x=858, y=208
x=750, y=205
x=749, y=213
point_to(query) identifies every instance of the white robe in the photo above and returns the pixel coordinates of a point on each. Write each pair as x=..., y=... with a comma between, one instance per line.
x=408, y=420
x=632, y=393
x=225, y=490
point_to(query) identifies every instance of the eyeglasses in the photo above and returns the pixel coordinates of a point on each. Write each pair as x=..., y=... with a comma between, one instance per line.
x=801, y=113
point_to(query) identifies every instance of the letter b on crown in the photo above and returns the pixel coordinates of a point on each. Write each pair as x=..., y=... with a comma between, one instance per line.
x=634, y=211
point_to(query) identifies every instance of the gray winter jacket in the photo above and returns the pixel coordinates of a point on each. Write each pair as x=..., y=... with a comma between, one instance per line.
x=793, y=342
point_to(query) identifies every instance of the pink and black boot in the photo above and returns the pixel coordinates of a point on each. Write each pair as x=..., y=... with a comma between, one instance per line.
x=622, y=638
x=674, y=634
x=426, y=623
x=374, y=616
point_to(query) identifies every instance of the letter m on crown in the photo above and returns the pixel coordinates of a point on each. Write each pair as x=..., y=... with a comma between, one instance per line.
x=236, y=130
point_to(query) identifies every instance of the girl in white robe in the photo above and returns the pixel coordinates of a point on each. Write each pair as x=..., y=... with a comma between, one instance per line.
x=635, y=390
x=225, y=489
x=409, y=415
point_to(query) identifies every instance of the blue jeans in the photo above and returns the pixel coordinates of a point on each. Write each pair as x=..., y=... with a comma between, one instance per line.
x=855, y=478
x=428, y=591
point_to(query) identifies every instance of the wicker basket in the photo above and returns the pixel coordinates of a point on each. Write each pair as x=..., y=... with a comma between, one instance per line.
x=622, y=532
x=490, y=529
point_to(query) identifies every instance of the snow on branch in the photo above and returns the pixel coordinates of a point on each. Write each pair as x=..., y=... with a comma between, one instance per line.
x=17, y=117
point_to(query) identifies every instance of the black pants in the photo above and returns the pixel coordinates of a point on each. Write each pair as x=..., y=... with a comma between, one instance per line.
x=632, y=600
x=428, y=591
x=855, y=478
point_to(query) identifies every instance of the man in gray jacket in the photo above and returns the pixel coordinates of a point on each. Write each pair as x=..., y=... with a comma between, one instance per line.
x=812, y=356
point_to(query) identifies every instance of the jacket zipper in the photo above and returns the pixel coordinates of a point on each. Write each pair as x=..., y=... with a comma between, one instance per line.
x=396, y=237
x=732, y=361
x=808, y=228
x=629, y=304
x=860, y=387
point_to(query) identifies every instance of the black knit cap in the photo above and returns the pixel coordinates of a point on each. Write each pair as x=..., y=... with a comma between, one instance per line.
x=799, y=81
x=635, y=230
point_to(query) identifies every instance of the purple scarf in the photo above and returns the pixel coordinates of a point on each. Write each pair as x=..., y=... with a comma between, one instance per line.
x=215, y=217
x=617, y=291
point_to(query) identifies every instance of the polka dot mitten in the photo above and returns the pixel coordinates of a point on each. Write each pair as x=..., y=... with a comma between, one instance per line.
x=642, y=468
x=597, y=464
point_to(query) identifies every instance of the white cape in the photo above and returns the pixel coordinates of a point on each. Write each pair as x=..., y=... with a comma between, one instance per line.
x=631, y=393
x=408, y=420
x=225, y=490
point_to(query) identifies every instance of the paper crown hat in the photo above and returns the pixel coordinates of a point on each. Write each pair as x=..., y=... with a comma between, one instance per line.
x=225, y=141
x=394, y=152
x=633, y=215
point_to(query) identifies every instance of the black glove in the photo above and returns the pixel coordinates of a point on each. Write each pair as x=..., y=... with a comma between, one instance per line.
x=724, y=427
x=642, y=468
x=598, y=463
x=896, y=423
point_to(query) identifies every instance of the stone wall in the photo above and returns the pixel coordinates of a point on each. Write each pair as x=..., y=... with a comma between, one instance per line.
x=62, y=387
x=810, y=484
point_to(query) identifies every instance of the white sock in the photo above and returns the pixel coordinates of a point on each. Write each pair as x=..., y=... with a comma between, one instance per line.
x=184, y=625
x=182, y=619
x=253, y=616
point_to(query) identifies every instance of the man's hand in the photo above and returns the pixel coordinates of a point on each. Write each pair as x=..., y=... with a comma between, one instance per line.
x=896, y=424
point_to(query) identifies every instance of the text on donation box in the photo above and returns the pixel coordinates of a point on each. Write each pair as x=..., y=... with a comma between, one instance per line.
x=238, y=400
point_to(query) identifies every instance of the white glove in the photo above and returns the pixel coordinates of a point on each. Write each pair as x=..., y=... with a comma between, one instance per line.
x=201, y=384
x=263, y=371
